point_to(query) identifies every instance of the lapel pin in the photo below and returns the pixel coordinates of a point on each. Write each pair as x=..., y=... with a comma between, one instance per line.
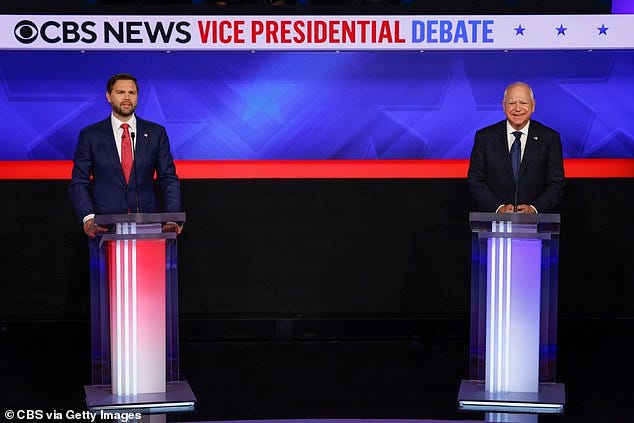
x=535, y=138
x=145, y=135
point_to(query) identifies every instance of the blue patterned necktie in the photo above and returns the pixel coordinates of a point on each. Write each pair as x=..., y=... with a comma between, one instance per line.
x=516, y=154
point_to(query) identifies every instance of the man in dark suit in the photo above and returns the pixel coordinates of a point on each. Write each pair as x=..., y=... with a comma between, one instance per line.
x=516, y=164
x=104, y=178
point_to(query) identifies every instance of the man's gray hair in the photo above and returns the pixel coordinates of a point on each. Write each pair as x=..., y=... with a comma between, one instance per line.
x=516, y=83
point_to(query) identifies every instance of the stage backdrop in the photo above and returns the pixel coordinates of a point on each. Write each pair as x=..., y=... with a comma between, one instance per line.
x=318, y=105
x=259, y=250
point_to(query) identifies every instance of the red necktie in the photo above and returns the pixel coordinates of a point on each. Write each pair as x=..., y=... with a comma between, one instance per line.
x=126, y=152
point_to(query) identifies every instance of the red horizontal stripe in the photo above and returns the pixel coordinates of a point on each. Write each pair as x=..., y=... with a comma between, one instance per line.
x=320, y=169
x=323, y=169
x=599, y=168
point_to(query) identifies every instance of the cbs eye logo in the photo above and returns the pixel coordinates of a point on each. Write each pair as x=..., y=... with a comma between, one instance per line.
x=25, y=31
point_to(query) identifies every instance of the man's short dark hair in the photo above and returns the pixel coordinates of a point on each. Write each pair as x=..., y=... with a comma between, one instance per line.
x=120, y=77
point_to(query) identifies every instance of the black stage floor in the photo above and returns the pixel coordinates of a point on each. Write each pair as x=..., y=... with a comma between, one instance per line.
x=326, y=379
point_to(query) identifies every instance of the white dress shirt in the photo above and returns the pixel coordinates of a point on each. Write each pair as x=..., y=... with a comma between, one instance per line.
x=510, y=138
x=117, y=131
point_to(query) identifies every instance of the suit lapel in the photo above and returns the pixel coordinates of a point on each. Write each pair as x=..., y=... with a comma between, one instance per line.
x=503, y=149
x=141, y=144
x=532, y=145
x=110, y=148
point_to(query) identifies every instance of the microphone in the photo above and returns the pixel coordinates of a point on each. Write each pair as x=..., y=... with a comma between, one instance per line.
x=136, y=182
x=516, y=160
x=515, y=200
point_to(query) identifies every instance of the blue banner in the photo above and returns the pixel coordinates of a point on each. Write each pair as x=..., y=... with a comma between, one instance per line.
x=317, y=105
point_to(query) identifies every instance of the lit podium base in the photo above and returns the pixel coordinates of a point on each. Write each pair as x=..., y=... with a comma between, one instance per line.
x=549, y=400
x=177, y=397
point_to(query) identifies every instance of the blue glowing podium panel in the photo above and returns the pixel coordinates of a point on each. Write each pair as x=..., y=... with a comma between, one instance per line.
x=514, y=304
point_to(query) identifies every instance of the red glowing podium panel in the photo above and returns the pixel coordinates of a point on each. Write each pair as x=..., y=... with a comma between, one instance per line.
x=137, y=315
x=134, y=307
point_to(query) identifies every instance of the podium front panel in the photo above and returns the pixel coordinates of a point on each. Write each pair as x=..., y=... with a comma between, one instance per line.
x=137, y=315
x=514, y=300
x=134, y=306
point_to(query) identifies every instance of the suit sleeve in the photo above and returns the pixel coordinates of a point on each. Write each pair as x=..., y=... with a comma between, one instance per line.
x=552, y=194
x=479, y=189
x=80, y=183
x=166, y=175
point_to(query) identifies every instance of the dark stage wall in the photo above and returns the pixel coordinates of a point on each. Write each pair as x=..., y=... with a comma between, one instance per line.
x=336, y=249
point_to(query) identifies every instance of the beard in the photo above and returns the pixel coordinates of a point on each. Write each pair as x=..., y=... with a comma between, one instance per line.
x=123, y=112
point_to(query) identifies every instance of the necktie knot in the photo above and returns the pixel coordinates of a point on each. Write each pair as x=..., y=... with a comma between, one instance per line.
x=517, y=134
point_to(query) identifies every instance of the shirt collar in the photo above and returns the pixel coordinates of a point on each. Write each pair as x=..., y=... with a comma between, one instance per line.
x=510, y=129
x=116, y=123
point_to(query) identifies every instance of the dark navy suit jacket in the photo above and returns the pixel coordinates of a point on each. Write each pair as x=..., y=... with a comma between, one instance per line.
x=541, y=174
x=98, y=185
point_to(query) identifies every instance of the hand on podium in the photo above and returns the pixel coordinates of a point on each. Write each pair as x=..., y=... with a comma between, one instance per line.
x=521, y=208
x=173, y=227
x=91, y=229
x=525, y=208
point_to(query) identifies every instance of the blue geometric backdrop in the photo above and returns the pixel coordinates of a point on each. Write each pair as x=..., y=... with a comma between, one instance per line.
x=317, y=105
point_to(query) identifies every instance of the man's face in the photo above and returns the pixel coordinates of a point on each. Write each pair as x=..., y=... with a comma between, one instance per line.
x=123, y=99
x=518, y=106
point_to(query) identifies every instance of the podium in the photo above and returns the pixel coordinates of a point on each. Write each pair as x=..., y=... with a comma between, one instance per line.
x=134, y=317
x=514, y=271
